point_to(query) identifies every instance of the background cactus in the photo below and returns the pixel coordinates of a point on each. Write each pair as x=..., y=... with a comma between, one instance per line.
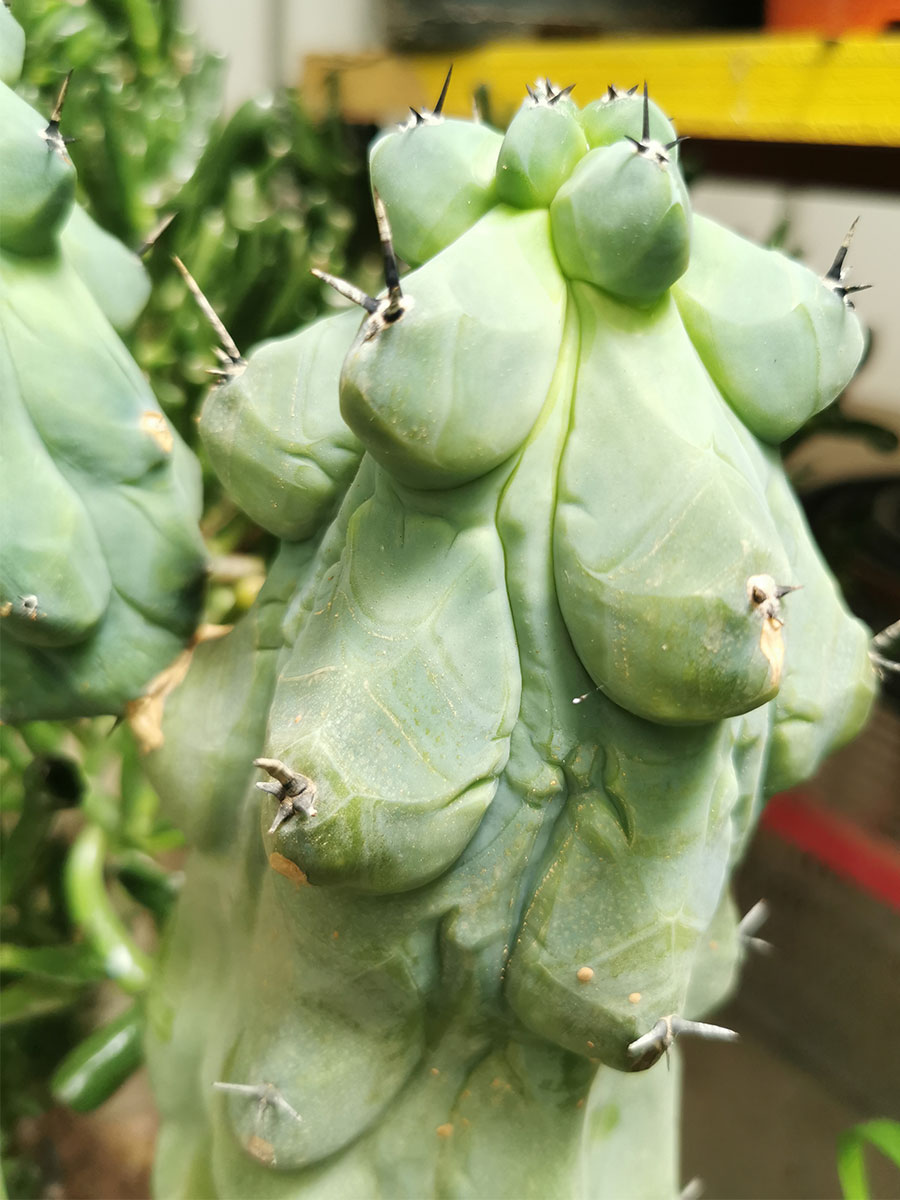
x=102, y=565
x=525, y=669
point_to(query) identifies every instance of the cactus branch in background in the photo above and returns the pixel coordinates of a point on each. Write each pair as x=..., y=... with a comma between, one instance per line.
x=102, y=565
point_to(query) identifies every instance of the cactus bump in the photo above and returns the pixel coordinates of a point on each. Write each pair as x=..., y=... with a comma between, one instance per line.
x=546, y=628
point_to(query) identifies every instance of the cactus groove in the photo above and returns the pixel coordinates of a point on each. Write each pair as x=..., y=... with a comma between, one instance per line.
x=547, y=627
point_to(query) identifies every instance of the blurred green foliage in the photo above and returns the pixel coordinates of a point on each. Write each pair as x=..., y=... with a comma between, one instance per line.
x=79, y=881
x=881, y=1135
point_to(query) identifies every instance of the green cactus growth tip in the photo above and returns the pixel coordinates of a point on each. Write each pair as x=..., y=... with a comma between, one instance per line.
x=101, y=562
x=546, y=629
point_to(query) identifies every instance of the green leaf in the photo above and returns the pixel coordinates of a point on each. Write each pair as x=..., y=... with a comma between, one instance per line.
x=33, y=998
x=93, y=912
x=65, y=964
x=884, y=1135
x=101, y=1063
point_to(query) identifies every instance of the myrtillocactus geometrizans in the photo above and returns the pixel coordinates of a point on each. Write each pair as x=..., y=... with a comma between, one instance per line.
x=102, y=567
x=525, y=670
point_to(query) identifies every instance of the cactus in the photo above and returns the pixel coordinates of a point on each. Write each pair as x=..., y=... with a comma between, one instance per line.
x=545, y=630
x=258, y=196
x=102, y=566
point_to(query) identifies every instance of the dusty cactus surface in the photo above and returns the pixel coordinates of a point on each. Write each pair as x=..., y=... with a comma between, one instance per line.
x=546, y=629
x=101, y=562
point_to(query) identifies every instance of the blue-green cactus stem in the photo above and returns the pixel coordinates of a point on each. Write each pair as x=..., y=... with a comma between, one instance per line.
x=539, y=152
x=41, y=538
x=628, y=885
x=619, y=114
x=717, y=962
x=12, y=48
x=237, y=675
x=829, y=684
x=436, y=178
x=106, y=498
x=112, y=273
x=656, y=597
x=120, y=435
x=482, y=756
x=622, y=221
x=285, y=464
x=473, y=324
x=780, y=343
x=38, y=176
x=335, y=715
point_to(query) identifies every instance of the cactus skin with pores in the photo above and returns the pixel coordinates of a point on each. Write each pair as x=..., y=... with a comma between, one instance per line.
x=523, y=674
x=102, y=566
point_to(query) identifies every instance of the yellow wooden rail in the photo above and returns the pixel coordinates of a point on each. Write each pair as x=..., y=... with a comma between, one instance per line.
x=764, y=87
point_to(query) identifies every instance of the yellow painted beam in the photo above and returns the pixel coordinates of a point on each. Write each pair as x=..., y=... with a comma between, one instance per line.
x=762, y=87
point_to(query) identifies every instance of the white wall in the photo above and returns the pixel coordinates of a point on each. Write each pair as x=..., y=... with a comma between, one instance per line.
x=266, y=40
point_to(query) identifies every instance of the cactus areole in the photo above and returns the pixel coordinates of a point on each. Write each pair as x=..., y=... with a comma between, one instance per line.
x=466, y=785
